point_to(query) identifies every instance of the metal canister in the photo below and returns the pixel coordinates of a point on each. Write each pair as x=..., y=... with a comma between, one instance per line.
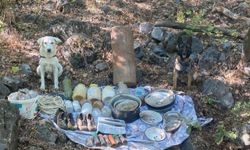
x=107, y=93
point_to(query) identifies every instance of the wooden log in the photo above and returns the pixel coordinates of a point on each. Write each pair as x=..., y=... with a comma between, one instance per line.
x=124, y=67
x=211, y=29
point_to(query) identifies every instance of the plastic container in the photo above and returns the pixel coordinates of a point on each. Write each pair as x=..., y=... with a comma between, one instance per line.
x=79, y=93
x=87, y=108
x=69, y=106
x=94, y=92
x=27, y=108
x=107, y=93
x=76, y=106
x=122, y=88
x=26, y=101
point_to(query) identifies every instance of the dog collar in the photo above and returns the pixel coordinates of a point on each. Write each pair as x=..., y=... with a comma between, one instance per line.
x=45, y=57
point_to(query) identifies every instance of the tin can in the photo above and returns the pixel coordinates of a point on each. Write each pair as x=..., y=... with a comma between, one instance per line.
x=107, y=93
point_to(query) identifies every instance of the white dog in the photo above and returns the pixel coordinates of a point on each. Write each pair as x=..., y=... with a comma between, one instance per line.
x=48, y=61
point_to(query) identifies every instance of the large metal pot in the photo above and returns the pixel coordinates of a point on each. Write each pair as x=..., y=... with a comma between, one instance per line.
x=125, y=107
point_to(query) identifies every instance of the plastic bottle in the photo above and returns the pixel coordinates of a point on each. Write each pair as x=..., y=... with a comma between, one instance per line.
x=76, y=106
x=122, y=88
x=107, y=93
x=79, y=93
x=69, y=106
x=87, y=108
x=94, y=95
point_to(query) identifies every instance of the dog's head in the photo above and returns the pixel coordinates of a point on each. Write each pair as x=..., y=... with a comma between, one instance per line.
x=48, y=45
x=184, y=44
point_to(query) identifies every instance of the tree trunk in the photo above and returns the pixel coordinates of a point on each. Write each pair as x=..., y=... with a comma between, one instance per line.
x=246, y=48
x=124, y=68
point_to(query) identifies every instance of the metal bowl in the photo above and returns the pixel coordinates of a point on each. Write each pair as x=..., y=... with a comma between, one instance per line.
x=150, y=117
x=125, y=107
x=171, y=121
x=160, y=99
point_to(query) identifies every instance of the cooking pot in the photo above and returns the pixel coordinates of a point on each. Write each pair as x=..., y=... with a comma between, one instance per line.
x=125, y=107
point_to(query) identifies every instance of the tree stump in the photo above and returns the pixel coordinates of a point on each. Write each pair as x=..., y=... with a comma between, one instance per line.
x=124, y=67
x=246, y=47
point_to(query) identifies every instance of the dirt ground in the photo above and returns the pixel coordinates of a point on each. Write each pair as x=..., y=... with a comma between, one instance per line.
x=34, y=19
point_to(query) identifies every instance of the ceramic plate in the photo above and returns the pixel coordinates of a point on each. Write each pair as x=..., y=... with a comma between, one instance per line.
x=155, y=134
x=150, y=117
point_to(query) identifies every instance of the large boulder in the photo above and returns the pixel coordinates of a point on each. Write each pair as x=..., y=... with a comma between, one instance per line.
x=219, y=91
x=9, y=117
x=4, y=91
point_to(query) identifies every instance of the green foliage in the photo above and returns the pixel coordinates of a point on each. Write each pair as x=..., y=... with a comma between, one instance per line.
x=240, y=107
x=15, y=69
x=222, y=133
x=209, y=100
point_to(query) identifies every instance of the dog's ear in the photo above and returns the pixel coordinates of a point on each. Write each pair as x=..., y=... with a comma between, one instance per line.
x=57, y=40
x=40, y=40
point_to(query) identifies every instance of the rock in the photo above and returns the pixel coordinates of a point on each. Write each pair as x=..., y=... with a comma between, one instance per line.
x=159, y=50
x=75, y=40
x=139, y=53
x=25, y=69
x=106, y=9
x=209, y=58
x=246, y=71
x=64, y=28
x=197, y=45
x=222, y=57
x=219, y=91
x=45, y=134
x=139, y=75
x=158, y=60
x=35, y=148
x=158, y=34
x=4, y=91
x=13, y=83
x=101, y=66
x=244, y=135
x=145, y=27
x=227, y=46
x=9, y=117
x=170, y=42
x=138, y=50
x=77, y=61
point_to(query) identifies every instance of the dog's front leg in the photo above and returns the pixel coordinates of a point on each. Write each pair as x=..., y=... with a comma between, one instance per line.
x=42, y=74
x=56, y=75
